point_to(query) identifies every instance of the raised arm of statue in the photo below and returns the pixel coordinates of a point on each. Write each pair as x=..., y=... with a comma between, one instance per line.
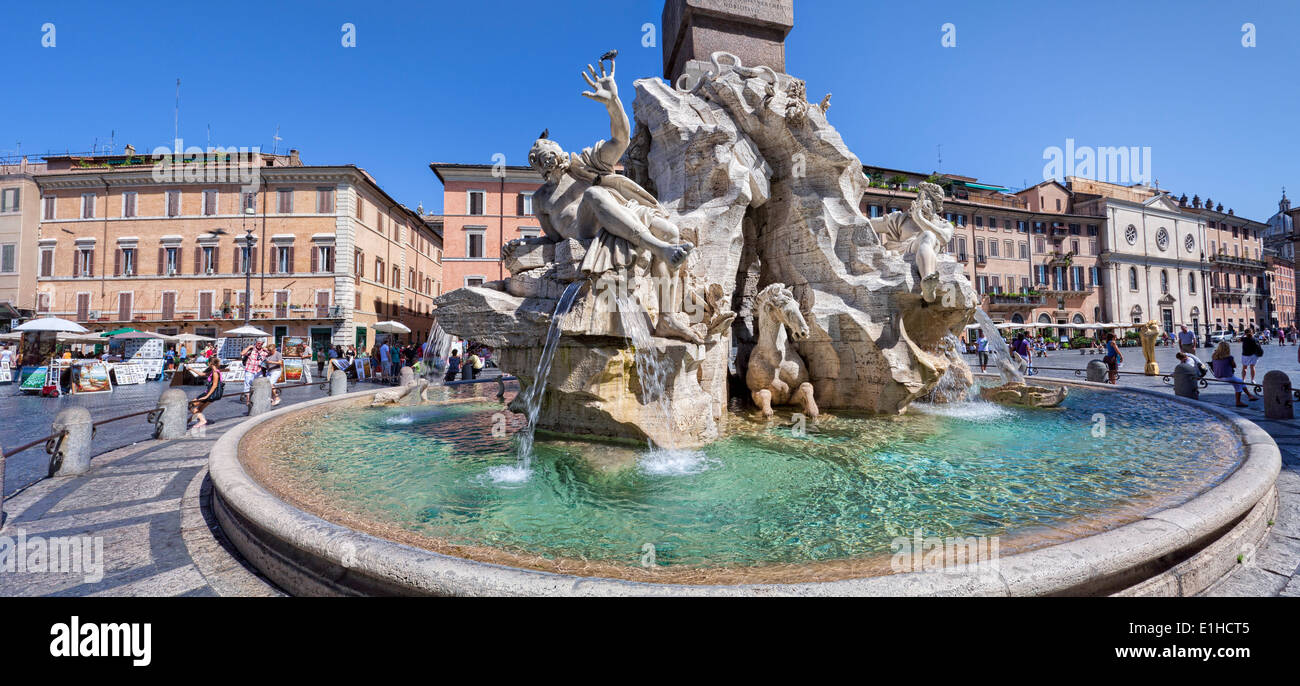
x=605, y=90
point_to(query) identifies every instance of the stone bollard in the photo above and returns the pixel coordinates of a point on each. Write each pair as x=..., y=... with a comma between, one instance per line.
x=1186, y=379
x=1096, y=371
x=405, y=376
x=259, y=400
x=1277, y=396
x=338, y=382
x=175, y=414
x=75, y=449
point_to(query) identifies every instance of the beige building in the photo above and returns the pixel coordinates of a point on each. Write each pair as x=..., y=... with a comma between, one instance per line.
x=19, y=199
x=1239, y=296
x=325, y=252
x=1030, y=265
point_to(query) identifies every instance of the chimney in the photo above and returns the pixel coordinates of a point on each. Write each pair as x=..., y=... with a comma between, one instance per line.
x=293, y=159
x=130, y=150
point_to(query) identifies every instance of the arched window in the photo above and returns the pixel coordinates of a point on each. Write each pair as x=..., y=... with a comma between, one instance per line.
x=1135, y=315
x=1017, y=318
x=1191, y=283
x=1078, y=319
x=1044, y=319
x=1164, y=281
x=1133, y=278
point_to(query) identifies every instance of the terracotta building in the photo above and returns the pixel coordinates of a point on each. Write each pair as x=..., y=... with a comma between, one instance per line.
x=1236, y=265
x=19, y=198
x=484, y=206
x=1031, y=266
x=121, y=242
x=1280, y=285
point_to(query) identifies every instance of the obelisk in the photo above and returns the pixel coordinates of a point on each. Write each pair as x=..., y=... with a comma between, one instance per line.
x=753, y=30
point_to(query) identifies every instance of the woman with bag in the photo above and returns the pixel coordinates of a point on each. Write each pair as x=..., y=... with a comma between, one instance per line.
x=1113, y=358
x=1223, y=366
x=215, y=388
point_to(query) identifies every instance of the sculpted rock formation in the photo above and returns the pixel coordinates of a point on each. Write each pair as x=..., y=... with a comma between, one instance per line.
x=732, y=182
x=1025, y=395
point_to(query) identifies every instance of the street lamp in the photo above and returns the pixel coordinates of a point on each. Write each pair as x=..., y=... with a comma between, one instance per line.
x=249, y=239
x=1205, y=297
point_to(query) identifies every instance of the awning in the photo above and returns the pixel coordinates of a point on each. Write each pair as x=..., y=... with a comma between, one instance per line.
x=118, y=332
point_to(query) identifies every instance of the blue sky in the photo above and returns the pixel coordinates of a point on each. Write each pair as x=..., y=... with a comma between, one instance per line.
x=461, y=81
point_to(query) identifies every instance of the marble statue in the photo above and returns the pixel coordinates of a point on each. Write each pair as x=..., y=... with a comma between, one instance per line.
x=920, y=234
x=776, y=374
x=413, y=393
x=1025, y=395
x=582, y=197
x=1148, y=334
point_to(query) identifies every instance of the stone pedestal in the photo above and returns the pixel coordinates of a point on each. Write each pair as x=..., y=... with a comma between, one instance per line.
x=753, y=30
x=259, y=400
x=1277, y=396
x=176, y=413
x=338, y=382
x=75, y=448
x=1096, y=371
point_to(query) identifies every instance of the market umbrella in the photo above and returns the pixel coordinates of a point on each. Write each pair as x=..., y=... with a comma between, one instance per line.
x=88, y=338
x=51, y=324
x=136, y=334
x=392, y=327
x=118, y=332
x=195, y=338
x=246, y=331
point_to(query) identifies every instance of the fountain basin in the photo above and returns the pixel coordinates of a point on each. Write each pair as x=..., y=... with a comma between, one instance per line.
x=310, y=546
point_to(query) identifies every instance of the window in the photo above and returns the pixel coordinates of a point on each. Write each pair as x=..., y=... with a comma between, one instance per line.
x=526, y=204
x=47, y=261
x=49, y=207
x=128, y=203
x=1094, y=277
x=1009, y=248
x=124, y=262
x=8, y=255
x=993, y=248
x=979, y=222
x=1024, y=250
x=9, y=199
x=171, y=260
x=284, y=259
x=87, y=205
x=1022, y=226
x=1132, y=278
x=379, y=269
x=1191, y=283
x=209, y=203
x=979, y=247
x=1074, y=247
x=1040, y=246
x=359, y=264
x=324, y=201
x=284, y=201
x=85, y=265
x=322, y=259
x=173, y=203
x=249, y=202
x=474, y=202
x=410, y=280
x=397, y=277
x=529, y=232
x=208, y=259
x=124, y=302
x=1164, y=281
x=1092, y=247
x=474, y=243
x=473, y=281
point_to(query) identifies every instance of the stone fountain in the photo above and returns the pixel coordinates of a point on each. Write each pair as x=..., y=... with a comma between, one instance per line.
x=732, y=181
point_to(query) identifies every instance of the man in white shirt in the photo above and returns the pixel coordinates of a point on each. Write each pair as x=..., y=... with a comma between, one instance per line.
x=1186, y=340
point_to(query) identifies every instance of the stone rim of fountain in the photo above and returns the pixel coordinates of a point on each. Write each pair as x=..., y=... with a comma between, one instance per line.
x=308, y=555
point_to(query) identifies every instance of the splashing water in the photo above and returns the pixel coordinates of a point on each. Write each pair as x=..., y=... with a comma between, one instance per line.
x=650, y=368
x=1001, y=353
x=950, y=388
x=436, y=349
x=533, y=396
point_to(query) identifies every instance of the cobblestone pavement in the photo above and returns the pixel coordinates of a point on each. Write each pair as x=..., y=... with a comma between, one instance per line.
x=147, y=501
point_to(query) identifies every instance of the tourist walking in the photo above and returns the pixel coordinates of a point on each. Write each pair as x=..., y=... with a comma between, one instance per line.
x=1113, y=359
x=1186, y=340
x=274, y=366
x=1224, y=368
x=213, y=392
x=1251, y=351
x=982, y=347
x=453, y=366
x=253, y=356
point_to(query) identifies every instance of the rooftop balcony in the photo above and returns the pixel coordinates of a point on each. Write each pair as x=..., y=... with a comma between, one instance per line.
x=1008, y=301
x=1234, y=261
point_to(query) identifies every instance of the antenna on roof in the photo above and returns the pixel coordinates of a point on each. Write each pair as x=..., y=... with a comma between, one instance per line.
x=176, y=126
x=275, y=146
x=940, y=147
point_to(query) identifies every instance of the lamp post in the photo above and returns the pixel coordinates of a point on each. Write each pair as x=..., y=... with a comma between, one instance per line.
x=249, y=239
x=1205, y=297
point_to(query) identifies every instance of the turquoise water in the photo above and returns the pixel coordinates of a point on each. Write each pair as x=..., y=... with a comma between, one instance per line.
x=764, y=495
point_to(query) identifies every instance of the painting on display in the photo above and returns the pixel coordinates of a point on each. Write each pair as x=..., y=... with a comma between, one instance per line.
x=6, y=374
x=129, y=374
x=362, y=365
x=293, y=370
x=36, y=380
x=93, y=378
x=295, y=346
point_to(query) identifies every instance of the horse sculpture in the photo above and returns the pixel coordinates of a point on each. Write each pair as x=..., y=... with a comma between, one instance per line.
x=776, y=374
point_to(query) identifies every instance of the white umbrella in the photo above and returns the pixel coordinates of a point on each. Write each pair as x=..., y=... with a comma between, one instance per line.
x=51, y=324
x=67, y=337
x=392, y=327
x=137, y=334
x=195, y=338
x=246, y=331
x=12, y=336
